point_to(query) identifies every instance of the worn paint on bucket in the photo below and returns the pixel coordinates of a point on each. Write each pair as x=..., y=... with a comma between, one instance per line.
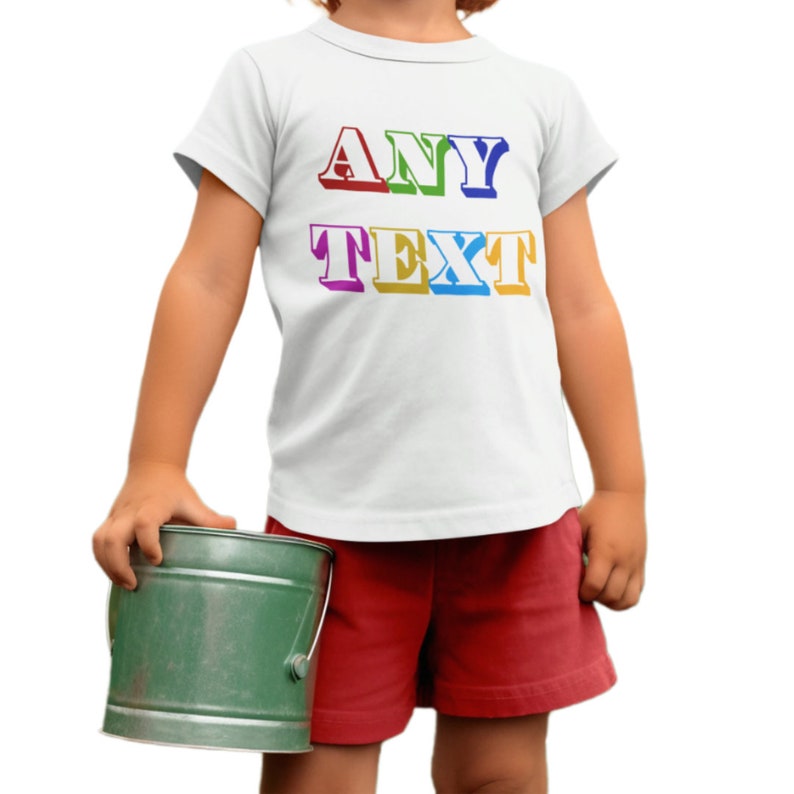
x=214, y=648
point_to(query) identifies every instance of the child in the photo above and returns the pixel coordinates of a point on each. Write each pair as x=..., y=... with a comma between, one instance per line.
x=419, y=200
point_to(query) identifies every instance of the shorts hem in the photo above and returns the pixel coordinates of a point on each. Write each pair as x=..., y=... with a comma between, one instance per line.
x=589, y=682
x=355, y=730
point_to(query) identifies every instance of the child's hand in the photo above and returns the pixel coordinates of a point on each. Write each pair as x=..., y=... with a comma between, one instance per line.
x=153, y=494
x=613, y=527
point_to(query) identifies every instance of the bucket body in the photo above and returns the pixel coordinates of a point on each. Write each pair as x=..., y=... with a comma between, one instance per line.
x=214, y=648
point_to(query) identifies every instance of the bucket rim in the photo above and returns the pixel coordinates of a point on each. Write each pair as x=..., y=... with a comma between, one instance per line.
x=186, y=529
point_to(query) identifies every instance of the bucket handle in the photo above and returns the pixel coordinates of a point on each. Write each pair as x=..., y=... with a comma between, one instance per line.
x=300, y=663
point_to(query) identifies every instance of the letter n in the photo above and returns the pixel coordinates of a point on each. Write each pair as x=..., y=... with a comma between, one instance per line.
x=417, y=164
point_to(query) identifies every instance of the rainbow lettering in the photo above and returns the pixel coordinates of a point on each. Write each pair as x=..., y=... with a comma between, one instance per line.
x=400, y=259
x=417, y=163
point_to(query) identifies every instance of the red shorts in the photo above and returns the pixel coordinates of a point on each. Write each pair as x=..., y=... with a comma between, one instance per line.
x=486, y=626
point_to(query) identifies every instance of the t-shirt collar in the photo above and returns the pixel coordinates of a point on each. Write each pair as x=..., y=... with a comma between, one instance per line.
x=474, y=48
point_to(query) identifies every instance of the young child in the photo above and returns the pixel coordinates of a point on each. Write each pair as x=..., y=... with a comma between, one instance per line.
x=419, y=200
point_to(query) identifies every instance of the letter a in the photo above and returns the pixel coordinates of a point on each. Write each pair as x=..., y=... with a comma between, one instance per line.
x=351, y=166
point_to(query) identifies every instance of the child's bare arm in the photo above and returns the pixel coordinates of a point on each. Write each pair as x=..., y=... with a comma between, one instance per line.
x=598, y=385
x=198, y=310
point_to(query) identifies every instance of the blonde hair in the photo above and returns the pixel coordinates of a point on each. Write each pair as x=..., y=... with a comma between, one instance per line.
x=468, y=7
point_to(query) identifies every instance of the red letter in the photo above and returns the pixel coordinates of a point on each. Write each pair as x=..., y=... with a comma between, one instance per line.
x=351, y=166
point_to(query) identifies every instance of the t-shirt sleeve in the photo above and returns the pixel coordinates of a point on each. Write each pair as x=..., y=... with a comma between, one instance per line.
x=232, y=137
x=576, y=155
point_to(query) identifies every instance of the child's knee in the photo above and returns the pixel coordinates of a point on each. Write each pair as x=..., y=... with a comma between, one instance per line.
x=531, y=780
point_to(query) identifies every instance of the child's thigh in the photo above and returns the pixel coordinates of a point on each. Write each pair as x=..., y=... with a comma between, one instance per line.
x=473, y=754
x=329, y=768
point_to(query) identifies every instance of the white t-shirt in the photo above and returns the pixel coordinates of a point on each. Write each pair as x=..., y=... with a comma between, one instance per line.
x=402, y=187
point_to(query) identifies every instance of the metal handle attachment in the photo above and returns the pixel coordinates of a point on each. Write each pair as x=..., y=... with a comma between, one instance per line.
x=299, y=666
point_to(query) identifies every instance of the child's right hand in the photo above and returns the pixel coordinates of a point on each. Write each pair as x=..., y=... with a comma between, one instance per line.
x=152, y=495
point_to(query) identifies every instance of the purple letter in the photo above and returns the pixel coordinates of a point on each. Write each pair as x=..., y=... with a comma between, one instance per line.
x=340, y=247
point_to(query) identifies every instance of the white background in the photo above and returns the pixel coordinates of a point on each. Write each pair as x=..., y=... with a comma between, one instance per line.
x=694, y=232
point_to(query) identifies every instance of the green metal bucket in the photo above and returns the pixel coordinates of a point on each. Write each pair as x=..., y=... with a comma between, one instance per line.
x=215, y=647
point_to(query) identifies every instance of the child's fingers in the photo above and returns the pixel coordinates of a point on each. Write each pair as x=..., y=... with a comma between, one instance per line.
x=195, y=512
x=610, y=584
x=147, y=533
x=596, y=575
x=632, y=594
x=140, y=512
x=615, y=588
x=111, y=542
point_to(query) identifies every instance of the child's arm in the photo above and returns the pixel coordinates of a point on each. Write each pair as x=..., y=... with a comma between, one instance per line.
x=597, y=381
x=198, y=310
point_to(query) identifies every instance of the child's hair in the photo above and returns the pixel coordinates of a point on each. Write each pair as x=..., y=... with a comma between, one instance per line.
x=467, y=6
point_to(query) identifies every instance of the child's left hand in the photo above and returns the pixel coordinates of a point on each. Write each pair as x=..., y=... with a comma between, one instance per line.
x=613, y=528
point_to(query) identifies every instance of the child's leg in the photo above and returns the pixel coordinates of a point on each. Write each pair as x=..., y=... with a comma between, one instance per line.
x=365, y=692
x=510, y=641
x=494, y=756
x=331, y=769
